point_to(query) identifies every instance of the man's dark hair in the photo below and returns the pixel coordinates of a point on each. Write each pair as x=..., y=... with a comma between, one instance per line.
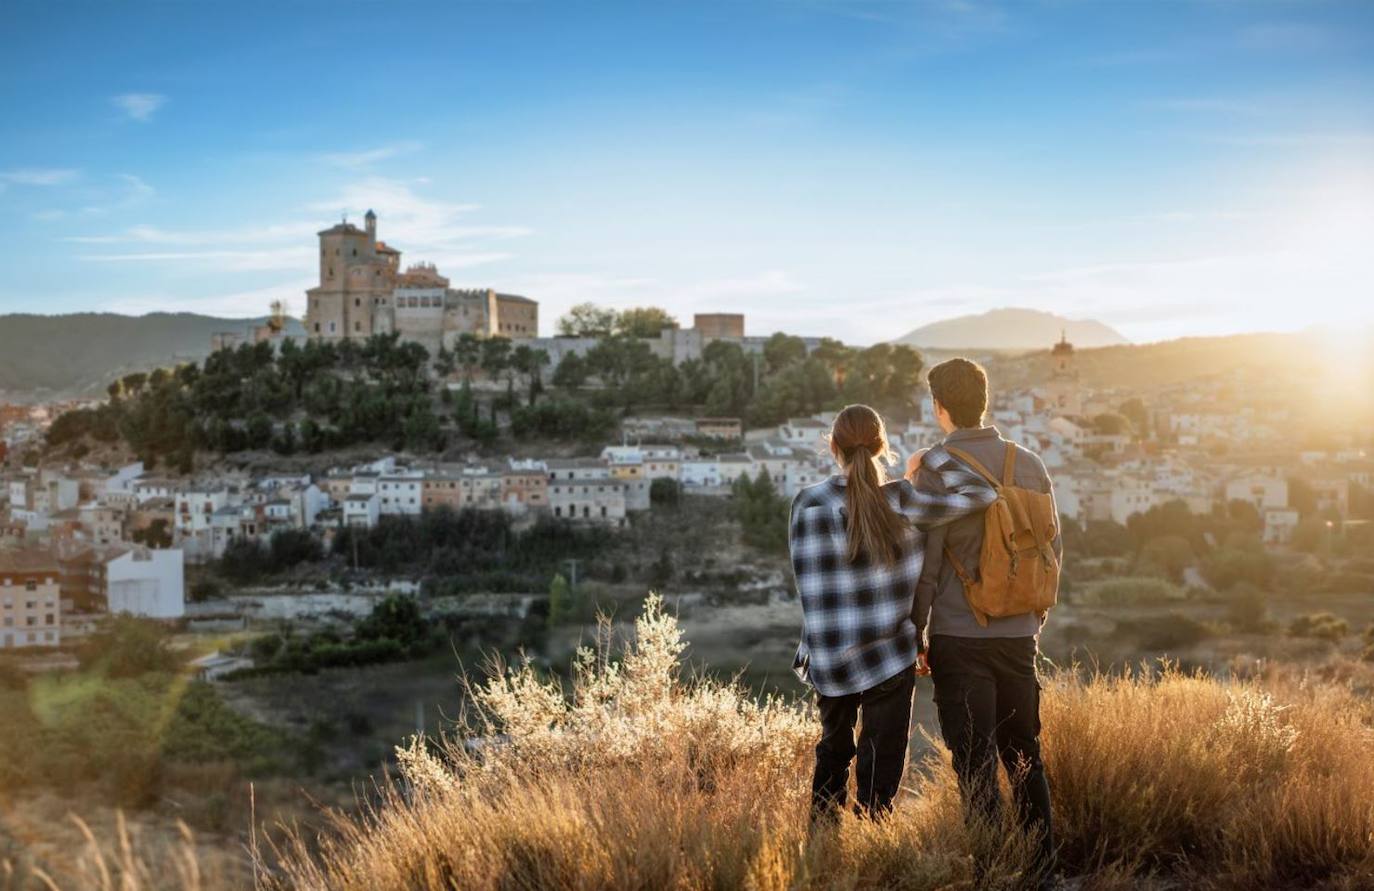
x=961, y=386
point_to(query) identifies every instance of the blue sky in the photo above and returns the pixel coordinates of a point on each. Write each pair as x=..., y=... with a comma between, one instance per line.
x=844, y=168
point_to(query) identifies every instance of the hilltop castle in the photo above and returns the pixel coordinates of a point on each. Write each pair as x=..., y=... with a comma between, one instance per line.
x=362, y=291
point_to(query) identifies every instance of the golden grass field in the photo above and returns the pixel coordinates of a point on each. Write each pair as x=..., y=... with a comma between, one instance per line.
x=639, y=779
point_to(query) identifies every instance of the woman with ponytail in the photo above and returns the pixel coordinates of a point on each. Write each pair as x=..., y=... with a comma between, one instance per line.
x=857, y=542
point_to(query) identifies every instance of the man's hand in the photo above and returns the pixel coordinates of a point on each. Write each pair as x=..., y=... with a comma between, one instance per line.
x=922, y=665
x=913, y=464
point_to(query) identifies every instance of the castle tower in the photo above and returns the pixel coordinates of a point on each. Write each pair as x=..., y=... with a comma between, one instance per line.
x=1064, y=391
x=354, y=294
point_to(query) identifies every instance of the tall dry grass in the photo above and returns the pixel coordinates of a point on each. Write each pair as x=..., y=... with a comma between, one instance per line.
x=638, y=779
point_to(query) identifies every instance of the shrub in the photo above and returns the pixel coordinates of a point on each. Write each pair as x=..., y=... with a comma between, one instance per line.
x=1169, y=554
x=128, y=646
x=1130, y=592
x=1166, y=633
x=1247, y=609
x=1325, y=626
x=1230, y=565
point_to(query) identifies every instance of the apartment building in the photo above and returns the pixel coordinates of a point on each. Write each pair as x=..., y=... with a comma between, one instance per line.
x=30, y=600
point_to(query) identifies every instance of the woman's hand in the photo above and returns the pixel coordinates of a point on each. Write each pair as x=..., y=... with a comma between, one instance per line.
x=913, y=463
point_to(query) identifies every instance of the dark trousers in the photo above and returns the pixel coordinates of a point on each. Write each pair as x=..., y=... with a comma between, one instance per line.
x=987, y=695
x=886, y=714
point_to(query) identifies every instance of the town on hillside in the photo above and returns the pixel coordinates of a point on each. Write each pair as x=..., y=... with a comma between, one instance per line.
x=81, y=538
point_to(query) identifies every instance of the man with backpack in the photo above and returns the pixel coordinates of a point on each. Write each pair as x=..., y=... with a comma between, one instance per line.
x=987, y=584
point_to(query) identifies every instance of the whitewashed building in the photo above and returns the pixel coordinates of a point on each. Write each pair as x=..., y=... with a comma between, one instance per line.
x=361, y=511
x=401, y=492
x=149, y=583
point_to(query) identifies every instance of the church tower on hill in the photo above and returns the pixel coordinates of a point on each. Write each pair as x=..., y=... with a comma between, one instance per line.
x=357, y=276
x=1064, y=392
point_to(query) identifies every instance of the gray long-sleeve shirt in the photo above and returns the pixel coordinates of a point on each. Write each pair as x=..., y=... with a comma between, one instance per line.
x=940, y=602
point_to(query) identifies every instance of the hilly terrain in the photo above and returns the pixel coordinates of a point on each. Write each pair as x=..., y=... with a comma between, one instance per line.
x=43, y=357
x=1010, y=329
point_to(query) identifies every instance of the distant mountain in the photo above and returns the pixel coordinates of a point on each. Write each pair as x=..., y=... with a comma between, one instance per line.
x=1011, y=329
x=79, y=354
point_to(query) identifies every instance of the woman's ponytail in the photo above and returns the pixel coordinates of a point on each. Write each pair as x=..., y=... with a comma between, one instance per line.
x=872, y=527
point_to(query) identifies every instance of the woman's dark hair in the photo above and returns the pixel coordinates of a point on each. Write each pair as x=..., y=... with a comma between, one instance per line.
x=859, y=440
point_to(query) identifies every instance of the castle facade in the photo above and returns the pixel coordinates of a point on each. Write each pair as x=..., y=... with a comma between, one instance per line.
x=363, y=291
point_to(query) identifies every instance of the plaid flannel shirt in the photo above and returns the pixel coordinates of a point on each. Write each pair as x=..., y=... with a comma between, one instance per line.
x=857, y=629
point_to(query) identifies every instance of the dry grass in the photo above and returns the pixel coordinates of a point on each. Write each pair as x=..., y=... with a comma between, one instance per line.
x=121, y=860
x=640, y=780
x=637, y=779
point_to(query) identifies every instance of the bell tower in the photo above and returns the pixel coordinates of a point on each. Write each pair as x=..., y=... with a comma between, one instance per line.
x=1065, y=394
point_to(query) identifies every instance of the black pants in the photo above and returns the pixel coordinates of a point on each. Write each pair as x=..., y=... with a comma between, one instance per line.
x=886, y=711
x=987, y=694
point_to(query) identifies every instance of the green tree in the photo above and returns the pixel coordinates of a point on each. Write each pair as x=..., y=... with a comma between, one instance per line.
x=495, y=356
x=761, y=512
x=587, y=320
x=1134, y=411
x=467, y=355
x=643, y=321
x=560, y=601
x=1170, y=554
x=1111, y=424
x=665, y=492
x=571, y=373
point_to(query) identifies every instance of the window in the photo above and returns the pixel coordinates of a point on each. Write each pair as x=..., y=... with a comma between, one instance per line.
x=31, y=585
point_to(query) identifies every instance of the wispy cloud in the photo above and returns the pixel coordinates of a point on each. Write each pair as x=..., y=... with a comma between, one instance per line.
x=364, y=158
x=139, y=106
x=138, y=187
x=1214, y=105
x=39, y=176
x=425, y=228
x=1289, y=37
x=144, y=234
x=246, y=304
x=1125, y=58
x=220, y=261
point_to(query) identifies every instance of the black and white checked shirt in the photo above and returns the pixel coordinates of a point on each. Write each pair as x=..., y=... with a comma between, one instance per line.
x=856, y=617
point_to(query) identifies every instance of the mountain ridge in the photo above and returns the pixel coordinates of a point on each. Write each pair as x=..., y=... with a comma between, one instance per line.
x=1011, y=328
x=78, y=354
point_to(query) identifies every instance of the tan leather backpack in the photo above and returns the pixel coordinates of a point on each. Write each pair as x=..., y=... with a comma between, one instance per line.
x=1018, y=570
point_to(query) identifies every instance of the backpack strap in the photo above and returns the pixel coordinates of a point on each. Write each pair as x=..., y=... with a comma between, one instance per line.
x=1009, y=465
x=967, y=581
x=975, y=464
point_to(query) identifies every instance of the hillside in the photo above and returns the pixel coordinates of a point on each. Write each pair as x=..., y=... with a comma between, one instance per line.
x=80, y=353
x=1010, y=329
x=1148, y=366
